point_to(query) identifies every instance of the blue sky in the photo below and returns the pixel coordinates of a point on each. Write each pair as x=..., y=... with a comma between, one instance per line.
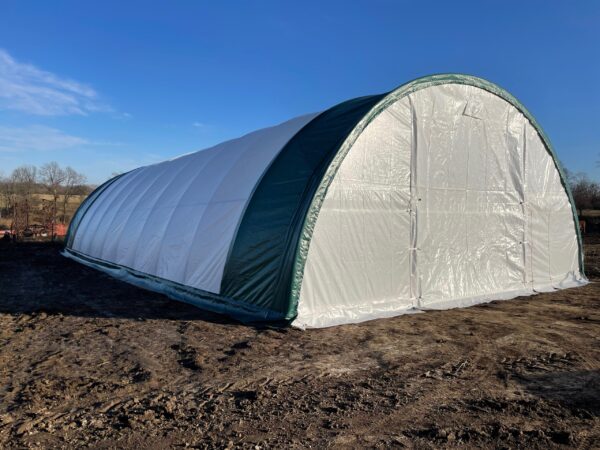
x=108, y=86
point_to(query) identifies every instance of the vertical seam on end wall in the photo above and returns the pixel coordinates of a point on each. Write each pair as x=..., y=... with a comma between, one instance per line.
x=527, y=211
x=526, y=219
x=549, y=252
x=414, y=206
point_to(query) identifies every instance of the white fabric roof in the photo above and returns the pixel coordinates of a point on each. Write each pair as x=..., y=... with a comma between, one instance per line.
x=176, y=219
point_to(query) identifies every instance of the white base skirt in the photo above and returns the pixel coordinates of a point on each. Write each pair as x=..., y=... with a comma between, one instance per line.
x=382, y=310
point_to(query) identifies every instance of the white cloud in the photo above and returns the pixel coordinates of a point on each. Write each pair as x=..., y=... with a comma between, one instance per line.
x=36, y=138
x=199, y=124
x=24, y=87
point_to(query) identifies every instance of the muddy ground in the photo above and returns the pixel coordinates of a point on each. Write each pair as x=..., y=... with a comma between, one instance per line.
x=88, y=361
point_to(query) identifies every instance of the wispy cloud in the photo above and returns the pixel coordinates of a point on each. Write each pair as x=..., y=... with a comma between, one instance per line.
x=199, y=125
x=36, y=138
x=26, y=88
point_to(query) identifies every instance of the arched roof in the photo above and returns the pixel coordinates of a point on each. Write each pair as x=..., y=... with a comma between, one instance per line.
x=264, y=264
x=286, y=203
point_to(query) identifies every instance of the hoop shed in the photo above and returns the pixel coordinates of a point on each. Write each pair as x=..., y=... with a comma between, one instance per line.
x=442, y=193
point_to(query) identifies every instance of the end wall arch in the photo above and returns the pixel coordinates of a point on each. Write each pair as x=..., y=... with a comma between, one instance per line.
x=470, y=109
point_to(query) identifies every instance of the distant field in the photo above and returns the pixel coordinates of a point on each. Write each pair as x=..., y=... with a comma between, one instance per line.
x=590, y=213
x=38, y=202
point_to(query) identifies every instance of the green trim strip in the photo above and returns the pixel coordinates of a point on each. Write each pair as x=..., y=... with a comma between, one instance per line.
x=402, y=91
x=197, y=297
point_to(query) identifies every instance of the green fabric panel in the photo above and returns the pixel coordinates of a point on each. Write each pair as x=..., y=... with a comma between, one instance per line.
x=259, y=268
x=404, y=90
x=197, y=297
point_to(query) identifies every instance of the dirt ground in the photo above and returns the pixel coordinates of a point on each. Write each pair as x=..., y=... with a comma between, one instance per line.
x=88, y=361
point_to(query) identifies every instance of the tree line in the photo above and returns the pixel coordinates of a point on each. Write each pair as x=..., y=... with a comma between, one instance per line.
x=22, y=206
x=586, y=192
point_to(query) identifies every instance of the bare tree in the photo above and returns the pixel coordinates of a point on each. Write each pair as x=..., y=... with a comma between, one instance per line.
x=7, y=193
x=586, y=192
x=52, y=177
x=24, y=179
x=18, y=199
x=6, y=196
x=72, y=185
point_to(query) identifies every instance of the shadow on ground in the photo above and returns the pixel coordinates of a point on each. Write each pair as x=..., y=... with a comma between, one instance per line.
x=578, y=391
x=35, y=278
